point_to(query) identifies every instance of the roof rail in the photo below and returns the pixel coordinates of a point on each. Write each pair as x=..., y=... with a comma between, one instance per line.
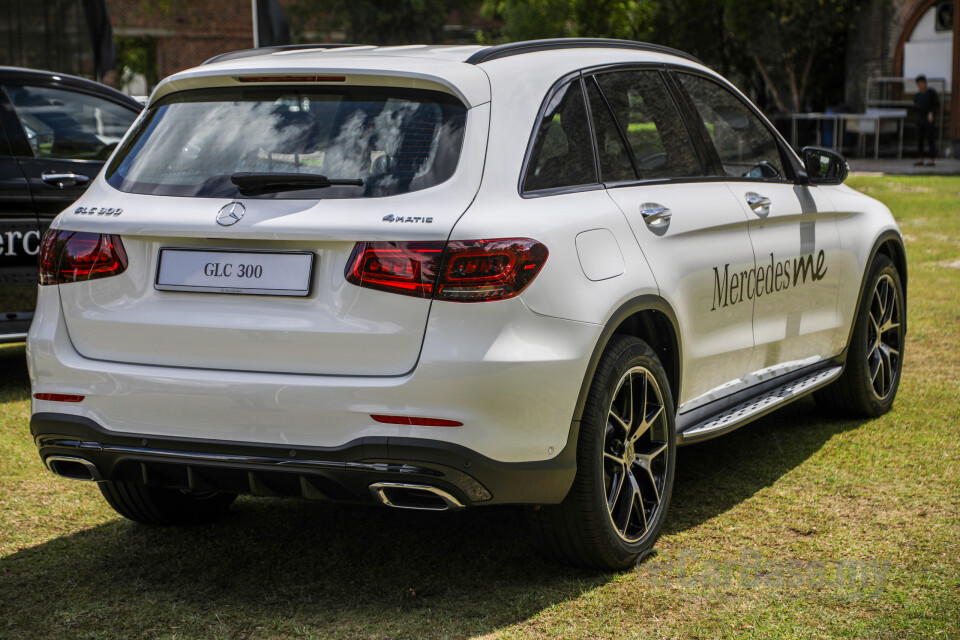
x=530, y=46
x=246, y=53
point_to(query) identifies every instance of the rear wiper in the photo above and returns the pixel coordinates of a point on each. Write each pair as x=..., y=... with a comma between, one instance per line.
x=255, y=184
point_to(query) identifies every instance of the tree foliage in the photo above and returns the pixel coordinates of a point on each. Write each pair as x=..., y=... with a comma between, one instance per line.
x=379, y=22
x=785, y=38
x=533, y=19
x=699, y=27
x=137, y=56
x=787, y=51
x=785, y=44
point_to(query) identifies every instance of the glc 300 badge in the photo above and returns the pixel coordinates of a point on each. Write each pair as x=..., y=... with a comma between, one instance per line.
x=97, y=211
x=231, y=214
x=414, y=219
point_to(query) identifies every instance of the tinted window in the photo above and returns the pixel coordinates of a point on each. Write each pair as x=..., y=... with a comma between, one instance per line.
x=658, y=138
x=395, y=140
x=4, y=145
x=745, y=145
x=615, y=163
x=69, y=124
x=562, y=155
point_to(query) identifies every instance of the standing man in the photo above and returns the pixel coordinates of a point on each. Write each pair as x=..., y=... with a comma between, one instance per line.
x=926, y=102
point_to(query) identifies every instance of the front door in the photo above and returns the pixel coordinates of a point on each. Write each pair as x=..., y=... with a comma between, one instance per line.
x=54, y=143
x=68, y=134
x=19, y=244
x=792, y=227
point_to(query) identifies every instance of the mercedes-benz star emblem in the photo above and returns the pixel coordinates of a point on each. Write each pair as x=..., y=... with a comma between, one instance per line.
x=231, y=214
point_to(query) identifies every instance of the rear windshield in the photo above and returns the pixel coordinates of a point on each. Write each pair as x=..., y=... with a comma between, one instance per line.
x=190, y=143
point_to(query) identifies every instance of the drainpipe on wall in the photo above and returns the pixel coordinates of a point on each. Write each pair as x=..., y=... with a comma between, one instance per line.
x=955, y=84
x=256, y=27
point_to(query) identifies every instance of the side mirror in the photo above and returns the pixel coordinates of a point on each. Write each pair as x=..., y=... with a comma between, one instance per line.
x=824, y=166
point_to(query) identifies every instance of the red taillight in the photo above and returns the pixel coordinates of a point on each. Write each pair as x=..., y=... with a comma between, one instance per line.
x=485, y=270
x=464, y=271
x=420, y=422
x=58, y=397
x=409, y=268
x=73, y=256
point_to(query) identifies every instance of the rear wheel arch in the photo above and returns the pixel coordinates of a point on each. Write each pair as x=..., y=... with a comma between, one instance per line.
x=615, y=508
x=651, y=319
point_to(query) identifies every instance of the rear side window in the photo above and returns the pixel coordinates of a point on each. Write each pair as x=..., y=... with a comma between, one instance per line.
x=657, y=137
x=394, y=140
x=562, y=154
x=69, y=124
x=746, y=147
x=615, y=163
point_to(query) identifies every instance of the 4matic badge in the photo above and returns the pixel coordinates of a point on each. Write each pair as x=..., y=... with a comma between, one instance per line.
x=414, y=219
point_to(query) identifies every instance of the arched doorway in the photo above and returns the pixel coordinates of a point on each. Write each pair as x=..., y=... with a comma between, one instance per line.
x=926, y=45
x=930, y=45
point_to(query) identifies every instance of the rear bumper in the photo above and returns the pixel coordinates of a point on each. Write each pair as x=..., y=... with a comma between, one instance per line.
x=510, y=376
x=343, y=473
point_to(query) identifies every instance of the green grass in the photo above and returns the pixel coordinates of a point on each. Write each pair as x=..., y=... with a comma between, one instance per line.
x=797, y=494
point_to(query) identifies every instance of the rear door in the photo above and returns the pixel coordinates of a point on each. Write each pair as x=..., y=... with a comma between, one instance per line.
x=19, y=239
x=690, y=229
x=792, y=227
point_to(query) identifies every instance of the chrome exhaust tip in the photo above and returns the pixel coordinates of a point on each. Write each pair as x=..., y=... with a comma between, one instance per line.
x=73, y=468
x=414, y=496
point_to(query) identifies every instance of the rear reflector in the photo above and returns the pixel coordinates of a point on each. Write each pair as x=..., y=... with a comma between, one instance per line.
x=74, y=256
x=461, y=271
x=417, y=422
x=58, y=397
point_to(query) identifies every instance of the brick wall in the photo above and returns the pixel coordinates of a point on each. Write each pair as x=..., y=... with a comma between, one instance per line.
x=873, y=44
x=187, y=32
x=872, y=52
x=868, y=53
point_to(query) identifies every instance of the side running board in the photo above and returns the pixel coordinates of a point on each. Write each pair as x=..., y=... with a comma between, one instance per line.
x=758, y=406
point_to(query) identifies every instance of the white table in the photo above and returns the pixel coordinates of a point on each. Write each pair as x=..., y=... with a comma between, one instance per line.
x=864, y=124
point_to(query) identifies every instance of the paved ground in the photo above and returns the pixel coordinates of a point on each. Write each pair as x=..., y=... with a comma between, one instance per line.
x=864, y=166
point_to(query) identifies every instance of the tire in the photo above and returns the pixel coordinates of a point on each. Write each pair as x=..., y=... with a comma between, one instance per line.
x=159, y=506
x=871, y=378
x=582, y=531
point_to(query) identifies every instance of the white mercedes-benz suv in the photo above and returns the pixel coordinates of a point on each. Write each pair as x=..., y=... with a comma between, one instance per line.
x=444, y=277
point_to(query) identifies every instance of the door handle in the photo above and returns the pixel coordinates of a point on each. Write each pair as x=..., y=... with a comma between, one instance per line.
x=655, y=215
x=760, y=204
x=64, y=180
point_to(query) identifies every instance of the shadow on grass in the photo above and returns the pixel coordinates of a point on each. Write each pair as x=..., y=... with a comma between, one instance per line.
x=13, y=369
x=714, y=476
x=288, y=567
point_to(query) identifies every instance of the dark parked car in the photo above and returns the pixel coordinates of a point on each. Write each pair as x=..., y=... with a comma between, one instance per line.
x=55, y=133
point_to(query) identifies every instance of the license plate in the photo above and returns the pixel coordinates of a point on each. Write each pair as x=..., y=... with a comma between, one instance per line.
x=262, y=273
